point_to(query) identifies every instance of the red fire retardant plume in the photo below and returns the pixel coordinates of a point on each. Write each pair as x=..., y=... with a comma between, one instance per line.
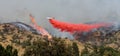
x=70, y=27
x=39, y=28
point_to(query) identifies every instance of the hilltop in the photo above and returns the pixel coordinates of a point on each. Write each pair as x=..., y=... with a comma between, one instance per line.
x=28, y=42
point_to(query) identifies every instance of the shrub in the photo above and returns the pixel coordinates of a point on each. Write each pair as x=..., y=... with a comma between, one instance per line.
x=100, y=51
x=57, y=47
x=8, y=51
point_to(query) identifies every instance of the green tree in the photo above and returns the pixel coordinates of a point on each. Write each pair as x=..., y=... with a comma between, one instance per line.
x=8, y=51
x=75, y=49
x=57, y=47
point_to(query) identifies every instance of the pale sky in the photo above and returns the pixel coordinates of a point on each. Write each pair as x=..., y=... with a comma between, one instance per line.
x=74, y=11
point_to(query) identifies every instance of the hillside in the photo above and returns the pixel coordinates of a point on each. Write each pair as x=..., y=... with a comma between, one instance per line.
x=28, y=42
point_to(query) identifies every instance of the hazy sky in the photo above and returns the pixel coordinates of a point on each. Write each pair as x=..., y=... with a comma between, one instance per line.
x=75, y=11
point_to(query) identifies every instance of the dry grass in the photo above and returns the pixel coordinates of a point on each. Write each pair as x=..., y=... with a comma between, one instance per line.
x=22, y=39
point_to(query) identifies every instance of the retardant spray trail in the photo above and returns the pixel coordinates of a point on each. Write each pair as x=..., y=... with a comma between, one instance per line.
x=70, y=27
x=79, y=30
x=40, y=29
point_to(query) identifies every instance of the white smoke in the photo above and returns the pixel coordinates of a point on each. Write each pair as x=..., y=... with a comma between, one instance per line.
x=74, y=11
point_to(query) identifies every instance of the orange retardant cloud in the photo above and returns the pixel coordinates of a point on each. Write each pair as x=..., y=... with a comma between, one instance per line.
x=70, y=27
x=41, y=30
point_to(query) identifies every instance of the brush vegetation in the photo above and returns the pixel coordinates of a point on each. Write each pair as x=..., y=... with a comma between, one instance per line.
x=16, y=42
x=8, y=51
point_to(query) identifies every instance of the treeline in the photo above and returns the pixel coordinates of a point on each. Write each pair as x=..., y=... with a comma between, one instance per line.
x=59, y=47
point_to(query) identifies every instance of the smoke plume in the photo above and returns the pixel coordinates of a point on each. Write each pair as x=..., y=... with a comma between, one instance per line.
x=74, y=11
